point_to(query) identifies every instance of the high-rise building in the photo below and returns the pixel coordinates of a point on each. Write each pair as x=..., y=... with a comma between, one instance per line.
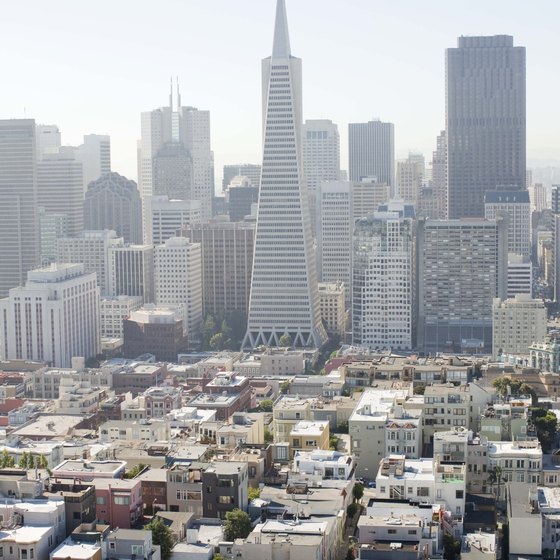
x=19, y=222
x=178, y=279
x=113, y=202
x=167, y=217
x=485, y=114
x=250, y=170
x=91, y=249
x=284, y=295
x=173, y=172
x=52, y=227
x=519, y=276
x=321, y=152
x=95, y=155
x=371, y=151
x=538, y=197
x=410, y=175
x=382, y=281
x=131, y=271
x=367, y=195
x=516, y=205
x=113, y=311
x=227, y=261
x=53, y=318
x=439, y=175
x=241, y=194
x=334, y=228
x=462, y=267
x=48, y=139
x=60, y=188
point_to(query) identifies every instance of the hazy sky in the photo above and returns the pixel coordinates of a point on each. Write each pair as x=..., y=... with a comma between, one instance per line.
x=92, y=67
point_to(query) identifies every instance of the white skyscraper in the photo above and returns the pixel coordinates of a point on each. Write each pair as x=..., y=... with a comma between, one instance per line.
x=284, y=294
x=53, y=318
x=48, y=139
x=178, y=279
x=334, y=228
x=95, y=155
x=131, y=271
x=321, y=152
x=382, y=281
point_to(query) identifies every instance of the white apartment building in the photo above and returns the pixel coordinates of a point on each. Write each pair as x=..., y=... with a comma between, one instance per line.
x=519, y=275
x=131, y=271
x=113, y=310
x=178, y=279
x=330, y=465
x=53, y=318
x=150, y=431
x=334, y=225
x=367, y=427
x=517, y=323
x=91, y=249
x=168, y=216
x=382, y=282
x=333, y=308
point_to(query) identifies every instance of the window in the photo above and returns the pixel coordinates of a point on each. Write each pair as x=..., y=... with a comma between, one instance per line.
x=392, y=531
x=100, y=500
x=112, y=545
x=226, y=500
x=122, y=500
x=137, y=549
x=76, y=515
x=459, y=494
x=23, y=553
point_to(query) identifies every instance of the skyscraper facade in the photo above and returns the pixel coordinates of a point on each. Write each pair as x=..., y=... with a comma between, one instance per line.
x=95, y=155
x=371, y=151
x=321, y=152
x=485, y=121
x=284, y=294
x=250, y=170
x=19, y=223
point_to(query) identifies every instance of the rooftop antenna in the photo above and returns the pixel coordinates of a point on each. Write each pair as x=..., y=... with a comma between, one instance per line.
x=178, y=95
x=171, y=93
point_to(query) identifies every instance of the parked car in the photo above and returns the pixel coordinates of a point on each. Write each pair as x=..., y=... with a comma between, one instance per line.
x=371, y=484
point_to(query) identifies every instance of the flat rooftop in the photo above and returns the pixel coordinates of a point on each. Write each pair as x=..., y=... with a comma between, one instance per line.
x=48, y=426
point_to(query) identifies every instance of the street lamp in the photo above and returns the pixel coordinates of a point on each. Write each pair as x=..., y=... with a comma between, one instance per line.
x=154, y=506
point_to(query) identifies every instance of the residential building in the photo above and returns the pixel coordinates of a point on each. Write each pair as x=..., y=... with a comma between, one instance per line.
x=131, y=544
x=308, y=435
x=517, y=323
x=486, y=137
x=79, y=501
x=167, y=216
x=333, y=309
x=328, y=464
x=150, y=431
x=284, y=298
x=113, y=202
x=53, y=318
x=371, y=151
x=131, y=271
x=382, y=286
x=225, y=487
x=462, y=267
x=178, y=280
x=157, y=330
x=286, y=413
x=136, y=377
x=184, y=487
x=545, y=354
x=119, y=502
x=19, y=224
x=90, y=248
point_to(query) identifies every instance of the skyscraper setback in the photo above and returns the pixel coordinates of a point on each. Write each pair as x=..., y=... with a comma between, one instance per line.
x=284, y=295
x=485, y=113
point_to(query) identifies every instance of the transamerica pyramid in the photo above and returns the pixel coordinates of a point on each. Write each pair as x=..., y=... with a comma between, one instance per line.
x=284, y=296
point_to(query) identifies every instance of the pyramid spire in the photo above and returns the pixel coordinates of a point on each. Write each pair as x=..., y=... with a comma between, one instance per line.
x=281, y=44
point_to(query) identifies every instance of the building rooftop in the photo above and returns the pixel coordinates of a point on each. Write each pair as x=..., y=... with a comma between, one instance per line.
x=204, y=399
x=81, y=466
x=75, y=550
x=49, y=426
x=226, y=467
x=309, y=428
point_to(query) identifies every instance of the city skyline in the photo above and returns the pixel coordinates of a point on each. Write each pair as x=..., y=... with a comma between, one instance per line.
x=114, y=75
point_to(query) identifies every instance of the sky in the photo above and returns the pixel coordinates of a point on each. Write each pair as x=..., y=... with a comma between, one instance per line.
x=94, y=66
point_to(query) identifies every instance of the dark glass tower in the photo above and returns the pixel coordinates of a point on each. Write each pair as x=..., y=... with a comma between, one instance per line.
x=485, y=113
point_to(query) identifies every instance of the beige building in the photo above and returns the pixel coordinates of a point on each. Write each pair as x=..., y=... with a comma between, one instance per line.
x=331, y=301
x=516, y=324
x=287, y=412
x=309, y=435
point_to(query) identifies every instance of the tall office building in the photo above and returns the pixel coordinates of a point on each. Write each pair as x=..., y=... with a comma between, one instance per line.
x=371, y=151
x=485, y=114
x=537, y=193
x=367, y=195
x=250, y=170
x=19, y=222
x=410, y=176
x=382, y=280
x=241, y=194
x=53, y=318
x=113, y=202
x=227, y=262
x=321, y=152
x=178, y=280
x=284, y=293
x=131, y=271
x=334, y=228
x=91, y=249
x=516, y=205
x=95, y=156
x=173, y=172
x=60, y=188
x=48, y=139
x=183, y=130
x=462, y=267
x=169, y=216
x=52, y=227
x=439, y=176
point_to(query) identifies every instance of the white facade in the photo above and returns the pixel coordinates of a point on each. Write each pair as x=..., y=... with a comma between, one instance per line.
x=520, y=461
x=91, y=249
x=367, y=195
x=321, y=152
x=168, y=216
x=334, y=227
x=284, y=297
x=382, y=282
x=113, y=310
x=330, y=465
x=410, y=175
x=131, y=271
x=178, y=278
x=517, y=323
x=519, y=275
x=53, y=318
x=95, y=156
x=47, y=137
x=333, y=310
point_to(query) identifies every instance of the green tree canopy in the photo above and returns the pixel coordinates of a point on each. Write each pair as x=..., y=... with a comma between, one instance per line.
x=161, y=535
x=268, y=437
x=266, y=405
x=217, y=342
x=237, y=525
x=358, y=491
x=506, y=387
x=253, y=493
x=546, y=425
x=285, y=340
